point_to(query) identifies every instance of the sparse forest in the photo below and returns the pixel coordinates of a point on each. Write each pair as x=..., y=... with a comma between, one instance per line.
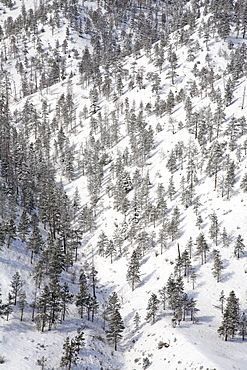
x=123, y=183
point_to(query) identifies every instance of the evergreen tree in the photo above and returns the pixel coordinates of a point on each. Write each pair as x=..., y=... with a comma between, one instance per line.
x=81, y=297
x=239, y=246
x=22, y=302
x=116, y=327
x=110, y=250
x=243, y=325
x=16, y=285
x=217, y=265
x=215, y=158
x=230, y=320
x=230, y=177
x=137, y=320
x=228, y=92
x=214, y=227
x=35, y=242
x=243, y=184
x=112, y=304
x=71, y=349
x=225, y=239
x=23, y=226
x=202, y=247
x=162, y=239
x=133, y=272
x=102, y=243
x=43, y=305
x=10, y=231
x=222, y=300
x=171, y=188
x=66, y=298
x=152, y=308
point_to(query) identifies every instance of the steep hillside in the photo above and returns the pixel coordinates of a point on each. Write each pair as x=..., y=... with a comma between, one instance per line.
x=123, y=184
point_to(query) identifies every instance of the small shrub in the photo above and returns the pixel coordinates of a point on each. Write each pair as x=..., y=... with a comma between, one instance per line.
x=2, y=360
x=146, y=363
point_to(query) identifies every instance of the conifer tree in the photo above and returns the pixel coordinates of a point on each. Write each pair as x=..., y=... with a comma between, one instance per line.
x=133, y=272
x=71, y=349
x=83, y=294
x=23, y=226
x=22, y=302
x=222, y=300
x=35, y=243
x=66, y=298
x=152, y=308
x=214, y=227
x=243, y=325
x=230, y=320
x=116, y=327
x=239, y=246
x=16, y=285
x=217, y=265
x=202, y=247
x=137, y=320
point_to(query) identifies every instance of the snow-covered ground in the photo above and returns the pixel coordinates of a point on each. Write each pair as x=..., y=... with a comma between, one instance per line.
x=191, y=346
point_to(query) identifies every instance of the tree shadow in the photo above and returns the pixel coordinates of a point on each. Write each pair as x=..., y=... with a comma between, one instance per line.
x=145, y=280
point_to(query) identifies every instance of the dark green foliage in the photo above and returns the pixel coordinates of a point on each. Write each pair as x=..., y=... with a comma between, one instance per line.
x=81, y=298
x=202, y=247
x=230, y=320
x=133, y=272
x=243, y=325
x=152, y=308
x=71, y=349
x=214, y=227
x=116, y=327
x=217, y=265
x=35, y=242
x=239, y=246
x=16, y=285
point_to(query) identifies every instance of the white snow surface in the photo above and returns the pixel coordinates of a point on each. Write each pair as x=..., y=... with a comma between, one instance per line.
x=191, y=346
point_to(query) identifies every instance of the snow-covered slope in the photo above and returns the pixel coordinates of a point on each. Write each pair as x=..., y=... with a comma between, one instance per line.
x=188, y=345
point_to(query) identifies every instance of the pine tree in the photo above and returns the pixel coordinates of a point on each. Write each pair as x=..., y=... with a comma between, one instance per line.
x=243, y=184
x=66, y=298
x=217, y=265
x=228, y=92
x=202, y=247
x=81, y=297
x=110, y=250
x=162, y=239
x=102, y=243
x=35, y=242
x=71, y=349
x=116, y=327
x=214, y=227
x=133, y=272
x=193, y=278
x=239, y=246
x=152, y=308
x=171, y=188
x=23, y=226
x=222, y=300
x=215, y=158
x=43, y=305
x=16, y=285
x=225, y=239
x=112, y=304
x=243, y=325
x=137, y=320
x=22, y=302
x=230, y=320
x=10, y=231
x=230, y=177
